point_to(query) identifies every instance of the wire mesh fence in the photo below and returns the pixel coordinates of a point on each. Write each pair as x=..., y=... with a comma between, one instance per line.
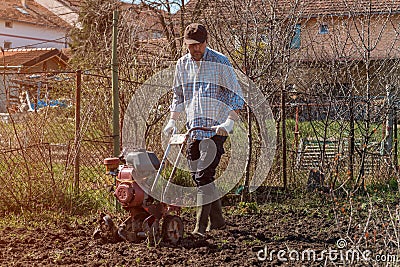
x=323, y=140
x=52, y=149
x=47, y=158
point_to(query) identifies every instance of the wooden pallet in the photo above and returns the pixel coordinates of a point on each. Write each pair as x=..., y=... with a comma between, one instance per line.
x=309, y=154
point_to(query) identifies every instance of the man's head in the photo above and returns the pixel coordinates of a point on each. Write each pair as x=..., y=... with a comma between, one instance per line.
x=195, y=38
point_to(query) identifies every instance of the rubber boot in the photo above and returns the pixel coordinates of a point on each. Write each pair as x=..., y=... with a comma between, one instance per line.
x=216, y=219
x=202, y=214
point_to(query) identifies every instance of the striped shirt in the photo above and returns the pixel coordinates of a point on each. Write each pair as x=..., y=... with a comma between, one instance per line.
x=206, y=90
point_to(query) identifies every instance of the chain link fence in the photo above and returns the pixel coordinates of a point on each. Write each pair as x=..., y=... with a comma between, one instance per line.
x=333, y=145
x=47, y=159
x=58, y=129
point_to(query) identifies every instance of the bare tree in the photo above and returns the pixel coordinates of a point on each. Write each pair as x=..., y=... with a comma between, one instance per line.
x=337, y=65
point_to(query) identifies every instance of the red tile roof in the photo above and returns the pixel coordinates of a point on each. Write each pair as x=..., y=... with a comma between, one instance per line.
x=144, y=18
x=304, y=8
x=339, y=7
x=73, y=4
x=33, y=13
x=153, y=49
x=28, y=57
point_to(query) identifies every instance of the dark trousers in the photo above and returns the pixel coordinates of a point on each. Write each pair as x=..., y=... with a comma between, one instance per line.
x=204, y=157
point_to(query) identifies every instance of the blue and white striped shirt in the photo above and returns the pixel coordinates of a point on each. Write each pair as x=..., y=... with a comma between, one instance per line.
x=207, y=90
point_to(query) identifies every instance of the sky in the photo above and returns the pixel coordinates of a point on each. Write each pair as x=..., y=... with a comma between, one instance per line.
x=130, y=1
x=138, y=1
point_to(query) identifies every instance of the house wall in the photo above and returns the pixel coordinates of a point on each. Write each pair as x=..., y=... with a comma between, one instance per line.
x=341, y=53
x=49, y=65
x=12, y=89
x=348, y=37
x=308, y=79
x=23, y=35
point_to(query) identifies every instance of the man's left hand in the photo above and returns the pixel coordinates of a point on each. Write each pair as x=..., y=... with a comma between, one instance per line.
x=225, y=128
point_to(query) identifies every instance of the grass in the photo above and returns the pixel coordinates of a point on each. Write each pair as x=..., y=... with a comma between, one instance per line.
x=46, y=190
x=308, y=205
x=37, y=189
x=335, y=130
x=337, y=168
x=181, y=177
x=42, y=219
x=41, y=177
x=248, y=208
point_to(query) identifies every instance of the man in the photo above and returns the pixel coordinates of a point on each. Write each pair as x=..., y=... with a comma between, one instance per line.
x=206, y=87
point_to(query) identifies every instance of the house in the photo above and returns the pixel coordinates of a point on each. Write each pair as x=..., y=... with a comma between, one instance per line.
x=154, y=37
x=67, y=10
x=33, y=34
x=351, y=39
x=325, y=42
x=27, y=24
x=32, y=60
x=145, y=20
x=16, y=88
x=315, y=23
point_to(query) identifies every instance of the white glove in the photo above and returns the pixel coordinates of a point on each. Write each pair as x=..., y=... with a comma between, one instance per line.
x=169, y=128
x=224, y=128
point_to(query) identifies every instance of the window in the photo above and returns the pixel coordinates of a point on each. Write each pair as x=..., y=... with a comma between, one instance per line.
x=295, y=42
x=23, y=11
x=264, y=38
x=157, y=35
x=323, y=29
x=7, y=45
x=8, y=24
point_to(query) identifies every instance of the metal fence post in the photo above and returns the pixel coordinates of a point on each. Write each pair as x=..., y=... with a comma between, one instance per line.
x=387, y=143
x=284, y=141
x=115, y=91
x=77, y=129
x=395, y=152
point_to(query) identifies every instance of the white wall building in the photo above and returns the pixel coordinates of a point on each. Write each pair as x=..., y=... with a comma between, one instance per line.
x=27, y=24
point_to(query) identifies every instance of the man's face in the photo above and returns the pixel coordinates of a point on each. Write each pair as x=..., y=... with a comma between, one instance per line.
x=197, y=50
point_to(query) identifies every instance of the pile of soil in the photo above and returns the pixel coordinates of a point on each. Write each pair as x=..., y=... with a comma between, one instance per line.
x=254, y=237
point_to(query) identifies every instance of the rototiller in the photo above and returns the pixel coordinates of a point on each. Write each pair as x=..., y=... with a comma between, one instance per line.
x=146, y=214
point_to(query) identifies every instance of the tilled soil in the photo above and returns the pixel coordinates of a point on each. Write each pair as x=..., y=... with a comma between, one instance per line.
x=252, y=238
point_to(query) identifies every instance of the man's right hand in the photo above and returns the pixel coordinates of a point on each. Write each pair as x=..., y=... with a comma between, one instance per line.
x=169, y=128
x=225, y=128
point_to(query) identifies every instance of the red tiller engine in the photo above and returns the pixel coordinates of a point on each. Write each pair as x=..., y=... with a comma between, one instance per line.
x=127, y=191
x=145, y=212
x=137, y=165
